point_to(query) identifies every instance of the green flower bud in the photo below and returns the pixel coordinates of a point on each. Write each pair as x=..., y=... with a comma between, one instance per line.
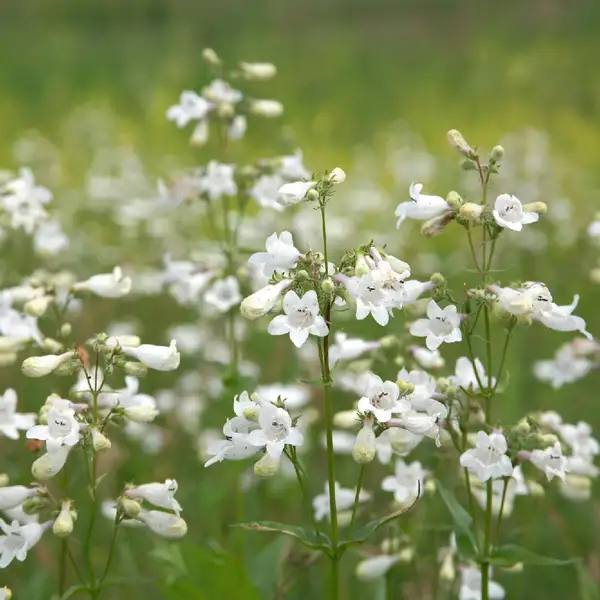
x=312, y=195
x=497, y=153
x=211, y=57
x=458, y=142
x=405, y=387
x=65, y=330
x=468, y=165
x=454, y=200
x=327, y=285
x=470, y=211
x=437, y=279
x=137, y=369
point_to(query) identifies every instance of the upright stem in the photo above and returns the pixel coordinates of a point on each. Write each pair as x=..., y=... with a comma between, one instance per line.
x=361, y=476
x=501, y=513
x=487, y=539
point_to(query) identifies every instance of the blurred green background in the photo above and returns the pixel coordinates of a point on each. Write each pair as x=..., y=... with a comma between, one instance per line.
x=347, y=70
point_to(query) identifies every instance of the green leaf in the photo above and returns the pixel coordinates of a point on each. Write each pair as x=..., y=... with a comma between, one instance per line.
x=310, y=538
x=462, y=519
x=511, y=554
x=361, y=535
x=588, y=590
x=73, y=590
x=264, y=568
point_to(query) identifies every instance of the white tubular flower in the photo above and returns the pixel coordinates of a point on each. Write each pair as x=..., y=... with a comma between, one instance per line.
x=579, y=439
x=160, y=358
x=220, y=91
x=382, y=399
x=441, y=325
x=427, y=359
x=191, y=107
x=577, y=488
x=344, y=499
x=264, y=191
x=258, y=71
x=508, y=212
x=237, y=128
x=275, y=431
x=263, y=301
x=63, y=525
x=236, y=448
x=365, y=445
x=267, y=466
x=280, y=257
x=551, y=461
x=465, y=375
x=164, y=524
x=418, y=423
x=292, y=193
x=245, y=407
x=12, y=422
x=470, y=585
x=38, y=306
x=337, y=175
x=141, y=410
x=159, y=494
x=560, y=318
x=218, y=180
x=346, y=348
x=18, y=540
x=370, y=296
x=39, y=366
x=107, y=285
x=50, y=464
x=406, y=482
x=133, y=341
x=376, y=567
x=15, y=495
x=224, y=294
x=420, y=206
x=62, y=429
x=566, y=367
x=266, y=108
x=488, y=459
x=301, y=318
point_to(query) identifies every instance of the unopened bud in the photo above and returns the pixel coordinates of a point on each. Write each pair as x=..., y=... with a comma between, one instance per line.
x=516, y=568
x=454, y=200
x=364, y=448
x=7, y=593
x=435, y=226
x=267, y=466
x=63, y=525
x=327, y=285
x=470, y=211
x=437, y=279
x=38, y=306
x=52, y=346
x=225, y=110
x=130, y=507
x=136, y=369
x=522, y=427
x=468, y=165
x=302, y=275
x=405, y=387
x=447, y=570
x=65, y=330
x=361, y=266
x=399, y=361
x=430, y=487
x=210, y=56
x=337, y=175
x=312, y=195
x=406, y=555
x=541, y=208
x=99, y=440
x=388, y=341
x=458, y=142
x=345, y=419
x=497, y=153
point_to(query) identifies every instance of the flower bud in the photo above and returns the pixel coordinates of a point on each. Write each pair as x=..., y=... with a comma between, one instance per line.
x=497, y=153
x=52, y=346
x=135, y=369
x=293, y=193
x=399, y=361
x=267, y=466
x=63, y=525
x=130, y=507
x=301, y=275
x=38, y=306
x=49, y=464
x=361, y=267
x=430, y=488
x=345, y=419
x=65, y=330
x=364, y=448
x=458, y=142
x=470, y=211
x=261, y=302
x=405, y=387
x=435, y=226
x=327, y=285
x=337, y=176
x=522, y=427
x=258, y=71
x=388, y=341
x=454, y=200
x=99, y=440
x=312, y=195
x=7, y=593
x=38, y=366
x=266, y=108
x=68, y=368
x=437, y=279
x=210, y=56
x=142, y=413
x=541, y=208
x=468, y=165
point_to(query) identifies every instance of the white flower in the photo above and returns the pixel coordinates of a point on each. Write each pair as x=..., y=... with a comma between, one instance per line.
x=551, y=461
x=560, y=318
x=220, y=91
x=370, y=296
x=419, y=424
x=18, y=540
x=49, y=238
x=441, y=325
x=224, y=294
x=508, y=212
x=139, y=408
x=420, y=206
x=346, y=348
x=159, y=494
x=12, y=422
x=406, y=482
x=579, y=439
x=376, y=567
x=247, y=408
x=38, y=366
x=261, y=302
x=532, y=297
x=577, y=488
x=465, y=375
x=301, y=318
x=470, y=585
x=15, y=495
x=566, y=367
x=294, y=396
x=427, y=359
x=191, y=107
x=292, y=167
x=421, y=398
x=218, y=180
x=164, y=524
x=292, y=193
x=344, y=499
x=62, y=429
x=382, y=399
x=107, y=285
x=50, y=464
x=281, y=255
x=338, y=175
x=160, y=358
x=266, y=108
x=235, y=447
x=488, y=459
x=265, y=191
x=258, y=71
x=365, y=445
x=275, y=431
x=237, y=129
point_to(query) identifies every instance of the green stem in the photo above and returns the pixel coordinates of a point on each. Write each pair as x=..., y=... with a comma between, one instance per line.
x=300, y=475
x=111, y=552
x=488, y=346
x=359, y=485
x=62, y=567
x=503, y=357
x=487, y=538
x=501, y=513
x=472, y=247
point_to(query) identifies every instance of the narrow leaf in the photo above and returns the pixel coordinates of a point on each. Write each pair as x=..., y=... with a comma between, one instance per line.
x=72, y=591
x=310, y=538
x=511, y=554
x=462, y=519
